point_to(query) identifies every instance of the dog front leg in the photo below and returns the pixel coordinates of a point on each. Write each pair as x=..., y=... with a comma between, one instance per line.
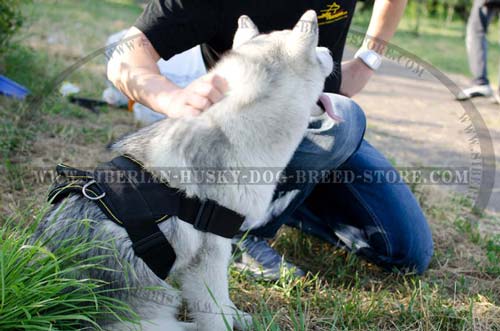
x=205, y=286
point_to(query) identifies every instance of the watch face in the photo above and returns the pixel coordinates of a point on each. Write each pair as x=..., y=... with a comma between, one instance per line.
x=373, y=59
x=370, y=58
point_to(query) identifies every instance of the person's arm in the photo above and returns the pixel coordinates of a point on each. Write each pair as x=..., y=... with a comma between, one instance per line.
x=385, y=18
x=133, y=70
x=383, y=23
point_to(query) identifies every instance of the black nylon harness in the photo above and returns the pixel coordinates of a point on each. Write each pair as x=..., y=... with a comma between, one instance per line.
x=134, y=198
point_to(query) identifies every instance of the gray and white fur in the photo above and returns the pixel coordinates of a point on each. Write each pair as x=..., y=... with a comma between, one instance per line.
x=274, y=82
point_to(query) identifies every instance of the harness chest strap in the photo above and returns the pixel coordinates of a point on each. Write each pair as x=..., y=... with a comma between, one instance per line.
x=133, y=198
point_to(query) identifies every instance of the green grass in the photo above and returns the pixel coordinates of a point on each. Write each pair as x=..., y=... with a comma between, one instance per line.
x=491, y=244
x=55, y=35
x=39, y=289
x=341, y=292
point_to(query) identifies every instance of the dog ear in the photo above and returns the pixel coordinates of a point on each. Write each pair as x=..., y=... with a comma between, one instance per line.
x=246, y=31
x=305, y=33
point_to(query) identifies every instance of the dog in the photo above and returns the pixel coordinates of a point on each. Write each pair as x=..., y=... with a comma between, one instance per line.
x=274, y=83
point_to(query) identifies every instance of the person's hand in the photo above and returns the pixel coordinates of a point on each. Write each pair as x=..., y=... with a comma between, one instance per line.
x=355, y=75
x=196, y=97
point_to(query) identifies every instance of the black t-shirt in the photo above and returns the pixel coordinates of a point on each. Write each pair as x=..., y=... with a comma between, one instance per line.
x=174, y=26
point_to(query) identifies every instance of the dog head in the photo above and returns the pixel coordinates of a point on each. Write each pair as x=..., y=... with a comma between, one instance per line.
x=282, y=62
x=302, y=40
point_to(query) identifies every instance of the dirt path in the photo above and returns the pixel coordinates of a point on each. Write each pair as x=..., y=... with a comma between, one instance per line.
x=415, y=121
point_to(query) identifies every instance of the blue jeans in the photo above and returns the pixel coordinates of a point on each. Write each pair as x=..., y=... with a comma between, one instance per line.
x=379, y=220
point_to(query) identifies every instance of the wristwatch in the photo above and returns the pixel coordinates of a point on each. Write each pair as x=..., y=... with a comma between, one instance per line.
x=371, y=58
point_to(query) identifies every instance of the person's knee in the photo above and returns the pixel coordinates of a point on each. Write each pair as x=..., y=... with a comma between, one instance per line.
x=348, y=110
x=327, y=143
x=354, y=126
x=405, y=246
x=417, y=254
x=348, y=133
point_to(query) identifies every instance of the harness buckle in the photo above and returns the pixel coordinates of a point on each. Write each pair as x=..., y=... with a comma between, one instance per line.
x=204, y=215
x=93, y=198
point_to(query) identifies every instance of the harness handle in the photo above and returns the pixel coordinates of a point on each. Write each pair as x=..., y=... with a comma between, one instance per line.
x=85, y=194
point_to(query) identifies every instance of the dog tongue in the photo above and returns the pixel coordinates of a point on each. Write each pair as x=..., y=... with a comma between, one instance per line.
x=327, y=104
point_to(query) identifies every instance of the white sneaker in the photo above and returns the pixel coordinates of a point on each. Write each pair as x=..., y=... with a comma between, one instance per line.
x=475, y=91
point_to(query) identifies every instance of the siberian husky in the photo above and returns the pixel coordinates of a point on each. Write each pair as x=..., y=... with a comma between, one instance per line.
x=274, y=83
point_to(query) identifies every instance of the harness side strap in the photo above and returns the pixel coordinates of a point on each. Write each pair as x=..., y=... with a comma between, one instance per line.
x=123, y=180
x=208, y=216
x=160, y=199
